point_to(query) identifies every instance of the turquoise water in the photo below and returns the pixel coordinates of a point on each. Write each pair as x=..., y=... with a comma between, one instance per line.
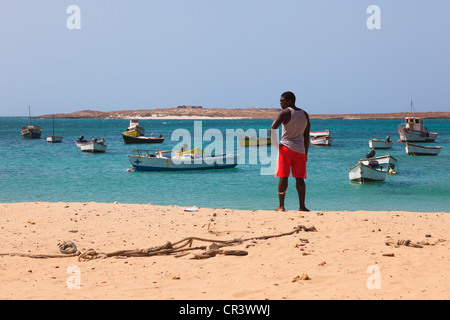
x=34, y=170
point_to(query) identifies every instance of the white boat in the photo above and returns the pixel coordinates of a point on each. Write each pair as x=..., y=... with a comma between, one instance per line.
x=385, y=162
x=249, y=141
x=81, y=141
x=413, y=130
x=417, y=150
x=323, y=133
x=321, y=141
x=380, y=144
x=147, y=160
x=320, y=138
x=365, y=173
x=53, y=138
x=94, y=146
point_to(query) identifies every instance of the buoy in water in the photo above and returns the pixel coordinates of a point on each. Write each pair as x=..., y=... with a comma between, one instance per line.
x=128, y=170
x=399, y=140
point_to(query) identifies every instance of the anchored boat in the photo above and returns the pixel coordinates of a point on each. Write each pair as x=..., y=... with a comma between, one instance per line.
x=134, y=129
x=366, y=173
x=148, y=160
x=31, y=131
x=385, y=162
x=413, y=130
x=320, y=138
x=53, y=138
x=381, y=144
x=417, y=150
x=94, y=146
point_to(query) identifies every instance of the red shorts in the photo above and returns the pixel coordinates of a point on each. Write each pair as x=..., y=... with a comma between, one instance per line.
x=288, y=159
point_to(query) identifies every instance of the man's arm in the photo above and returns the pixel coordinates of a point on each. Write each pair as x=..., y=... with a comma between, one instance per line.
x=306, y=136
x=283, y=118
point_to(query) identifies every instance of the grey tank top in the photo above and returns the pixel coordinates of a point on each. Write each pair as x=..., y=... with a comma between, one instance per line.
x=292, y=132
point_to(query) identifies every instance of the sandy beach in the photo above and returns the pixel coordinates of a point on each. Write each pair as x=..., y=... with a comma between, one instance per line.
x=282, y=256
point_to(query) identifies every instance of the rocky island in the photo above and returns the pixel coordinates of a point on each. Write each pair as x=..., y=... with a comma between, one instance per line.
x=198, y=112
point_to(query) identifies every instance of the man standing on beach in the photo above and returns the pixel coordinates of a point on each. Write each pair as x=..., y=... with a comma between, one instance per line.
x=292, y=149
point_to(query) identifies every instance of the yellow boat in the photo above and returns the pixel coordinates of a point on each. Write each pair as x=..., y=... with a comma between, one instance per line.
x=254, y=141
x=195, y=151
x=134, y=129
x=132, y=133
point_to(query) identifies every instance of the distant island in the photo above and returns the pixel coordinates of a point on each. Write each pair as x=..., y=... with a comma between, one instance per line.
x=198, y=112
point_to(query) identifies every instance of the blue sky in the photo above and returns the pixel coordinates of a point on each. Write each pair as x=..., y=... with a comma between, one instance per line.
x=144, y=54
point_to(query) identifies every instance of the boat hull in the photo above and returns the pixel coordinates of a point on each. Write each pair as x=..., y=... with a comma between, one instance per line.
x=127, y=139
x=145, y=163
x=409, y=135
x=93, y=147
x=321, y=141
x=380, y=144
x=83, y=142
x=54, y=139
x=362, y=173
x=417, y=150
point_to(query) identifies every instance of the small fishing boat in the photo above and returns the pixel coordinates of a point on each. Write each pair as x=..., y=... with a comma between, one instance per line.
x=384, y=163
x=321, y=141
x=413, y=130
x=81, y=141
x=251, y=141
x=147, y=160
x=94, y=146
x=320, y=138
x=134, y=129
x=53, y=138
x=127, y=139
x=31, y=131
x=417, y=150
x=381, y=144
x=319, y=133
x=366, y=173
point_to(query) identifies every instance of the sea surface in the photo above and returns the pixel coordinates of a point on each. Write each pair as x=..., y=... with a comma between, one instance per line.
x=35, y=170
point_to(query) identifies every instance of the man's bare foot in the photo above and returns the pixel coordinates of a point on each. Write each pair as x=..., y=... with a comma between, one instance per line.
x=303, y=209
x=280, y=209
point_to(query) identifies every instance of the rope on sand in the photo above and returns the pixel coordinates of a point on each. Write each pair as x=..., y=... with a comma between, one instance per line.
x=409, y=243
x=180, y=248
x=40, y=256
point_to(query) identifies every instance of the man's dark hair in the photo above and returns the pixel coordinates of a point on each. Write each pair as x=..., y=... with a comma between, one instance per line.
x=288, y=96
